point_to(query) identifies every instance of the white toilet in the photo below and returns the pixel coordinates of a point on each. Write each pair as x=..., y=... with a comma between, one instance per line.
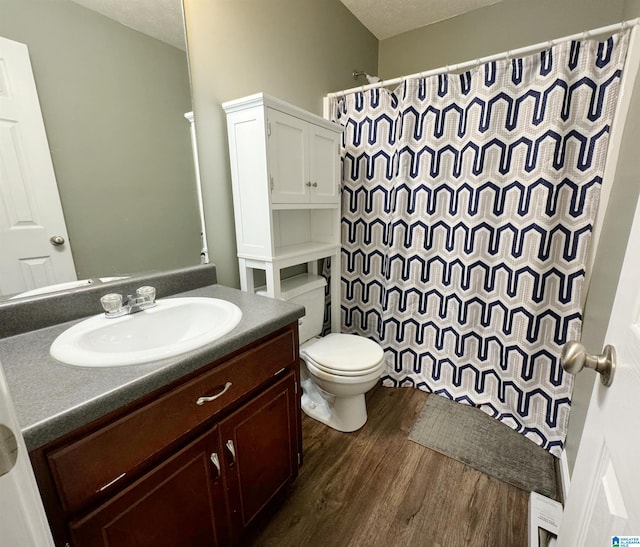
x=336, y=370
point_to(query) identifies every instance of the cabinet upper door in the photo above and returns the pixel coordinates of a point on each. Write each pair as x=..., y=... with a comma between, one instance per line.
x=324, y=165
x=180, y=502
x=288, y=165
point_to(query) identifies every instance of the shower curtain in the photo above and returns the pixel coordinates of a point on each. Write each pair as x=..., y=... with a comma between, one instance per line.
x=468, y=205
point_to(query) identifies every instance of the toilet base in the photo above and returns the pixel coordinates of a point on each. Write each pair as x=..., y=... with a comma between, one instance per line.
x=344, y=414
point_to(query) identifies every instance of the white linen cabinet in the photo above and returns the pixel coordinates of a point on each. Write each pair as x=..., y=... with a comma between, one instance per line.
x=285, y=169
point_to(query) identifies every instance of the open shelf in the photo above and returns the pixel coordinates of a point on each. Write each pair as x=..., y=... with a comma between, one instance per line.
x=285, y=168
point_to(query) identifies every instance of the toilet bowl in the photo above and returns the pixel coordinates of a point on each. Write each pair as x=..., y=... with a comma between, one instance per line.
x=336, y=370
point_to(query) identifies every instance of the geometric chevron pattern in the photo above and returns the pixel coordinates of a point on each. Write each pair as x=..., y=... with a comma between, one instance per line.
x=468, y=207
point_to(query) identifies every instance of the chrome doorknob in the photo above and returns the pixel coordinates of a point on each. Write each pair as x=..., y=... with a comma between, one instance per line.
x=575, y=357
x=56, y=241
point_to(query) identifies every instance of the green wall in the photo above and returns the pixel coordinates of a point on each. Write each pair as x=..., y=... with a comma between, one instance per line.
x=113, y=102
x=498, y=28
x=296, y=50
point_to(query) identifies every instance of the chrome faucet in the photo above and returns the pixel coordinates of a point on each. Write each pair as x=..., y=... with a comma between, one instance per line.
x=144, y=299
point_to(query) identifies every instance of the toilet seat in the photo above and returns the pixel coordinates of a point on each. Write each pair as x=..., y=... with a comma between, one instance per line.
x=346, y=355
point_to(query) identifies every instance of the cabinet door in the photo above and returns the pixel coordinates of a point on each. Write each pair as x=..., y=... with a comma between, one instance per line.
x=180, y=502
x=260, y=444
x=288, y=167
x=324, y=165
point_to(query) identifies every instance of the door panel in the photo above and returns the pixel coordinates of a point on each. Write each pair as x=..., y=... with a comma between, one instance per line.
x=180, y=502
x=288, y=158
x=324, y=158
x=30, y=208
x=22, y=518
x=604, y=496
x=262, y=459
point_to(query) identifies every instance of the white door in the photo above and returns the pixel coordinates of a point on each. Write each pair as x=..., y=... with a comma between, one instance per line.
x=30, y=209
x=604, y=496
x=22, y=518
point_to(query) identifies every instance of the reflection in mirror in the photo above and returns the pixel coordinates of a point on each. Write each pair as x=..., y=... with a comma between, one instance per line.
x=68, y=285
x=113, y=102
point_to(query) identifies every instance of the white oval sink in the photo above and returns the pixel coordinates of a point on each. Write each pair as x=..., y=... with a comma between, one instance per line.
x=54, y=288
x=174, y=326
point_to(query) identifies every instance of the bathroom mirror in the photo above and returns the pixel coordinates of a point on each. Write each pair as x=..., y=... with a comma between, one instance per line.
x=113, y=102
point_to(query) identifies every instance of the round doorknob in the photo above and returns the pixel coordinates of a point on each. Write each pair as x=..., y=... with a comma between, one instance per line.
x=8, y=449
x=56, y=241
x=575, y=357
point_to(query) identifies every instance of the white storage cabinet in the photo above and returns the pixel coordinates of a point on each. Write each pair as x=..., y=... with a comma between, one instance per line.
x=285, y=169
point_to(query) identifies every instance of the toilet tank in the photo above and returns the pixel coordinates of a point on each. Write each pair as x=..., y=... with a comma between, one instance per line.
x=308, y=291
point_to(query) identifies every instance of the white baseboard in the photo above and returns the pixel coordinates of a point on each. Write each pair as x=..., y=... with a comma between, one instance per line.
x=565, y=476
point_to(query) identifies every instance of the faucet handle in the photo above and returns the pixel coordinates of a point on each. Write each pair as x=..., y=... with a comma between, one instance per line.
x=147, y=293
x=111, y=302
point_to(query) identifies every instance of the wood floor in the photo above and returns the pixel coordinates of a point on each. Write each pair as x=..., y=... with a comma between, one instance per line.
x=375, y=487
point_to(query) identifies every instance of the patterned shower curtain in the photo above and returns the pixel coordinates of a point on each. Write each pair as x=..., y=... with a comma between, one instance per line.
x=468, y=205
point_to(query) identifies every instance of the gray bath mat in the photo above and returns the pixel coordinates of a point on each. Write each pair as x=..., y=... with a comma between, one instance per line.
x=472, y=437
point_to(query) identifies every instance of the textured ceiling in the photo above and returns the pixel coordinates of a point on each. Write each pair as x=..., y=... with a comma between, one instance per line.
x=162, y=19
x=386, y=18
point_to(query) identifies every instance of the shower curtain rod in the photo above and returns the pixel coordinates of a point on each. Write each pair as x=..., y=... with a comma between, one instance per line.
x=504, y=55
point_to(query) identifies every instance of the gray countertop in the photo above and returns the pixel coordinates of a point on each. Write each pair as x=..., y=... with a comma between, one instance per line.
x=53, y=399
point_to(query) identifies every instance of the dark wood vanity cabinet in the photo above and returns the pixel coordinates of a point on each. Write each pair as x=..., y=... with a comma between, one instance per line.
x=179, y=502
x=167, y=472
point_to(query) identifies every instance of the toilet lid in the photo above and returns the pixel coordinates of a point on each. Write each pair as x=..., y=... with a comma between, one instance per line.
x=345, y=353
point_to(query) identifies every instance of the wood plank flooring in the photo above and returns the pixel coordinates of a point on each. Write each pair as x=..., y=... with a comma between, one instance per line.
x=374, y=487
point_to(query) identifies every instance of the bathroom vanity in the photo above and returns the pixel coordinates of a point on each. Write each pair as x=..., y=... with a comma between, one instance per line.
x=187, y=451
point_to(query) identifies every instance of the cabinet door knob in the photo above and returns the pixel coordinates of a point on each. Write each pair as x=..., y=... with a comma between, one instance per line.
x=216, y=462
x=232, y=450
x=308, y=184
x=203, y=400
x=315, y=185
